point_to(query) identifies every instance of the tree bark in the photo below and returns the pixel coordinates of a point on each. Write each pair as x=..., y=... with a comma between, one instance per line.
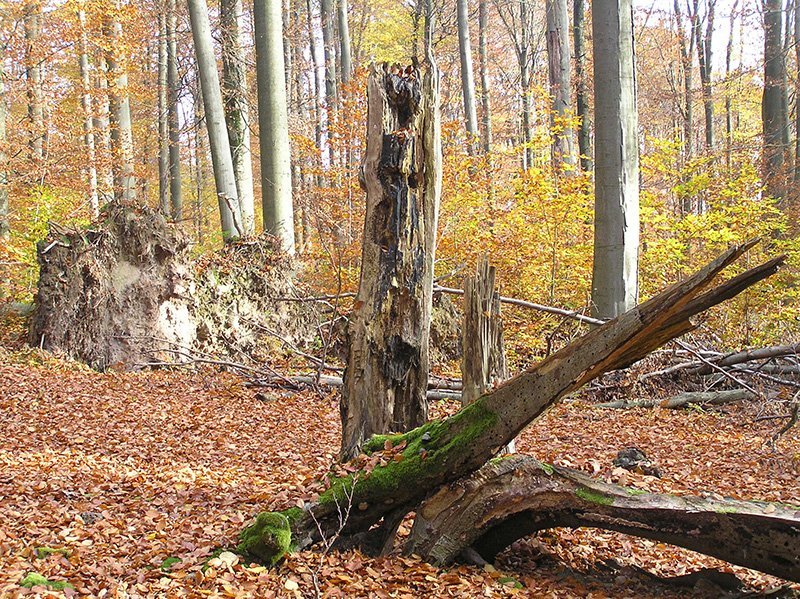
x=237, y=112
x=163, y=116
x=616, y=232
x=387, y=366
x=399, y=471
x=517, y=496
x=682, y=400
x=86, y=107
x=33, y=76
x=581, y=91
x=773, y=108
x=121, y=132
x=558, y=62
x=221, y=158
x=483, y=362
x=273, y=124
x=728, y=92
x=486, y=100
x=704, y=56
x=467, y=77
x=173, y=90
x=344, y=41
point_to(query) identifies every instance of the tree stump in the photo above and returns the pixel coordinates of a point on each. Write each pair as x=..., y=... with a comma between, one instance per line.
x=386, y=376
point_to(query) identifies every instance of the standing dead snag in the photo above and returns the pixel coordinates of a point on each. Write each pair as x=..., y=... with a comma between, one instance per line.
x=417, y=463
x=387, y=368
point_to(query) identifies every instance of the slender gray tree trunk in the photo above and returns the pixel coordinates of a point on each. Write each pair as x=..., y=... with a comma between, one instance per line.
x=523, y=52
x=315, y=84
x=704, y=56
x=686, y=44
x=173, y=125
x=234, y=85
x=797, y=92
x=86, y=106
x=33, y=76
x=221, y=158
x=163, y=117
x=346, y=59
x=616, y=234
x=467, y=77
x=327, y=17
x=102, y=127
x=120, y=112
x=486, y=101
x=773, y=107
x=273, y=124
x=728, y=91
x=581, y=87
x=558, y=60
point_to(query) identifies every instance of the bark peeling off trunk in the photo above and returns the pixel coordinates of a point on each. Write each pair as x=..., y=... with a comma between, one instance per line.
x=387, y=368
x=513, y=497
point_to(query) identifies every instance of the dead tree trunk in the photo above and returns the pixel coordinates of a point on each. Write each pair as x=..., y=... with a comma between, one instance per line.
x=387, y=368
x=511, y=498
x=483, y=363
x=398, y=472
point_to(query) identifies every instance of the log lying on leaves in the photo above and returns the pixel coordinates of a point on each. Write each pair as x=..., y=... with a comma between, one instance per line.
x=397, y=472
x=515, y=496
x=700, y=398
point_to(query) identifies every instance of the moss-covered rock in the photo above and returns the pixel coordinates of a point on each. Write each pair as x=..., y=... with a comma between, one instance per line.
x=268, y=539
x=43, y=552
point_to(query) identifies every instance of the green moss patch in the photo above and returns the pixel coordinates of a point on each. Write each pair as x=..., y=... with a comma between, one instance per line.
x=167, y=564
x=37, y=580
x=43, y=552
x=634, y=491
x=268, y=539
x=589, y=495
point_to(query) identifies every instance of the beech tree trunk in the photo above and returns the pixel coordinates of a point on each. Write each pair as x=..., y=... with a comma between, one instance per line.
x=163, y=125
x=86, y=107
x=399, y=471
x=33, y=76
x=173, y=126
x=121, y=132
x=581, y=91
x=704, y=55
x=486, y=103
x=558, y=62
x=518, y=496
x=616, y=209
x=273, y=124
x=387, y=367
x=344, y=41
x=221, y=158
x=774, y=112
x=234, y=89
x=467, y=76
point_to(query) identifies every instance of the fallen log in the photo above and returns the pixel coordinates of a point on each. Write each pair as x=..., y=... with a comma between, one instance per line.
x=682, y=400
x=397, y=472
x=515, y=496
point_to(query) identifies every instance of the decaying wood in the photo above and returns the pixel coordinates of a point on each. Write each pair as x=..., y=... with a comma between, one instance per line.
x=387, y=366
x=483, y=363
x=700, y=398
x=516, y=496
x=421, y=461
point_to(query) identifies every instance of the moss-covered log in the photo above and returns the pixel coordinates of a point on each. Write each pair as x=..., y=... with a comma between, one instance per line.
x=513, y=497
x=417, y=463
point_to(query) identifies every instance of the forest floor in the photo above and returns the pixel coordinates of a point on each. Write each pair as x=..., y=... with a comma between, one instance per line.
x=139, y=477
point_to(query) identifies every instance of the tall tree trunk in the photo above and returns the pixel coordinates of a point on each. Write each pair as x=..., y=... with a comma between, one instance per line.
x=558, y=60
x=329, y=52
x=163, y=117
x=346, y=59
x=581, y=91
x=5, y=227
x=523, y=53
x=315, y=83
x=120, y=111
x=386, y=377
x=728, y=91
x=616, y=233
x=486, y=104
x=273, y=123
x=102, y=125
x=173, y=125
x=686, y=44
x=234, y=86
x=797, y=92
x=86, y=106
x=467, y=78
x=773, y=108
x=33, y=76
x=704, y=55
x=221, y=159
